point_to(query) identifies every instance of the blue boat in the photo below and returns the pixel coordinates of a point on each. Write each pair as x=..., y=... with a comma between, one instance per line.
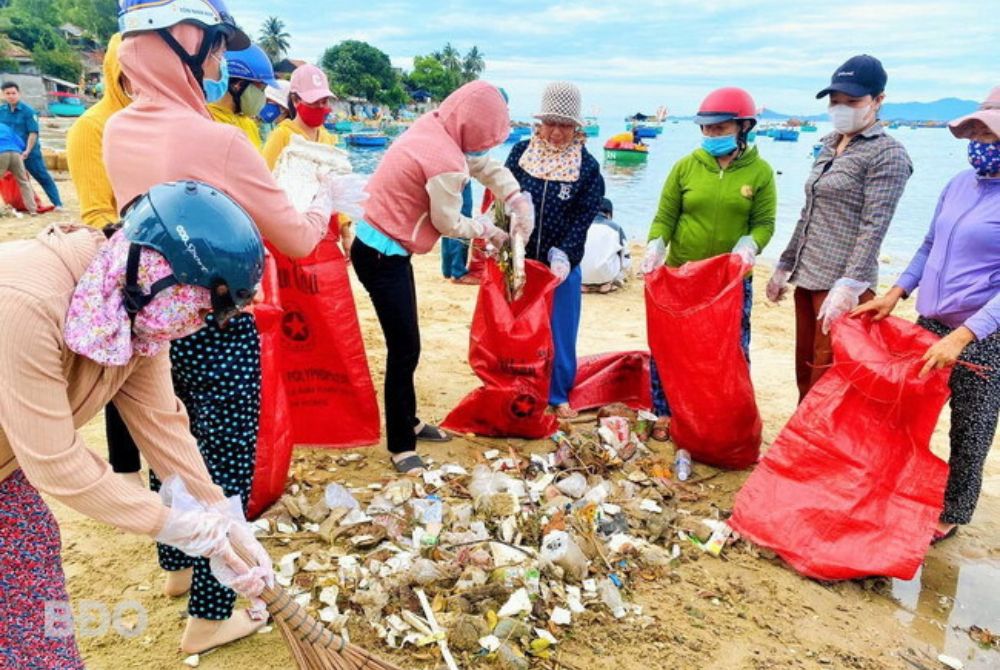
x=590, y=127
x=817, y=148
x=751, y=136
x=645, y=132
x=517, y=133
x=368, y=139
x=785, y=135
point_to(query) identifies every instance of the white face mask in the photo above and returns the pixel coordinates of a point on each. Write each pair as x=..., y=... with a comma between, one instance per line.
x=847, y=119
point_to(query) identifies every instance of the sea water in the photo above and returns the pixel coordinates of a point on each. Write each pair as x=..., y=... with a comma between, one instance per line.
x=635, y=190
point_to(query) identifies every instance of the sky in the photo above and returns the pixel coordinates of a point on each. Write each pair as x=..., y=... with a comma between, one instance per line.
x=635, y=56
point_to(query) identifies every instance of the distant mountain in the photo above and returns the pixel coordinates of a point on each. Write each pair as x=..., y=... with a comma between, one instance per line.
x=944, y=109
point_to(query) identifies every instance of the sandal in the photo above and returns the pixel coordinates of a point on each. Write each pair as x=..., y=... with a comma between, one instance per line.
x=410, y=465
x=941, y=537
x=564, y=411
x=467, y=280
x=661, y=429
x=429, y=433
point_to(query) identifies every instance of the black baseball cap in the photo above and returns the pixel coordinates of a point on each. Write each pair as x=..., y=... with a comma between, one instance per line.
x=859, y=76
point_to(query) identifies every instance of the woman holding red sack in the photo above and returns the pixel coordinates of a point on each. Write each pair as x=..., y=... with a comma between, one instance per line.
x=957, y=270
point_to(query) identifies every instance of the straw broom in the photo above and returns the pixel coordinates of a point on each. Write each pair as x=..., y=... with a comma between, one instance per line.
x=313, y=645
x=511, y=254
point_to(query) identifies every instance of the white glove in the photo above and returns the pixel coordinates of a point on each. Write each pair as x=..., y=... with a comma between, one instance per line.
x=559, y=263
x=842, y=298
x=522, y=215
x=341, y=193
x=777, y=287
x=746, y=249
x=195, y=532
x=656, y=254
x=487, y=230
x=250, y=582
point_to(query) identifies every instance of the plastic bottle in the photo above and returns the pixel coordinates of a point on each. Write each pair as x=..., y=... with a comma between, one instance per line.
x=611, y=597
x=682, y=465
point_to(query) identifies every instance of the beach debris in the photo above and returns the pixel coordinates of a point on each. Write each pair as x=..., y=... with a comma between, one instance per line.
x=682, y=465
x=950, y=662
x=984, y=638
x=192, y=661
x=302, y=164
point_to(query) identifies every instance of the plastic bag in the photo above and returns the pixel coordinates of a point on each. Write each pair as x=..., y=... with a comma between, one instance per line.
x=11, y=193
x=325, y=368
x=850, y=488
x=510, y=350
x=693, y=316
x=622, y=376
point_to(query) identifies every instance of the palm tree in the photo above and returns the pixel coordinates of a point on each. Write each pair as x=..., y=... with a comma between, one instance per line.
x=451, y=58
x=273, y=38
x=473, y=64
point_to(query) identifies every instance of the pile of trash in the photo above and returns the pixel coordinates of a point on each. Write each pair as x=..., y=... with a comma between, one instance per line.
x=501, y=559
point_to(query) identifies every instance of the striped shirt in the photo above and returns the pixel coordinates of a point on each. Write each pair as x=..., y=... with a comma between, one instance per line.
x=850, y=201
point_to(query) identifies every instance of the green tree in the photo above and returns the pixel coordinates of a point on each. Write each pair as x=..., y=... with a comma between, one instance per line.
x=63, y=63
x=432, y=76
x=45, y=11
x=99, y=18
x=450, y=58
x=32, y=33
x=273, y=39
x=473, y=65
x=359, y=69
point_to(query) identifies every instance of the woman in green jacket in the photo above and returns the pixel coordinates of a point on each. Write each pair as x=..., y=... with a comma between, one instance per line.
x=719, y=199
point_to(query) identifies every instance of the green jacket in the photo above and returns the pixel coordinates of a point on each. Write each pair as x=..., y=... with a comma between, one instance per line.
x=704, y=210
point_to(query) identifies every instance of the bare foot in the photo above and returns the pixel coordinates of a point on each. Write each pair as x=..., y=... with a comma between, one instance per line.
x=661, y=430
x=200, y=635
x=468, y=280
x=564, y=411
x=178, y=582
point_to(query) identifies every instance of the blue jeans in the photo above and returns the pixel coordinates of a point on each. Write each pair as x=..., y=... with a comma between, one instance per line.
x=36, y=168
x=454, y=256
x=660, y=405
x=565, y=322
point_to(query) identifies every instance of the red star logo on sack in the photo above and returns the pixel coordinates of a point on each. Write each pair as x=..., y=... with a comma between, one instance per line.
x=294, y=327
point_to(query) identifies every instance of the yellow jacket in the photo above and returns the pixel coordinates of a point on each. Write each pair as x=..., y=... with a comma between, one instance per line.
x=244, y=123
x=83, y=146
x=282, y=135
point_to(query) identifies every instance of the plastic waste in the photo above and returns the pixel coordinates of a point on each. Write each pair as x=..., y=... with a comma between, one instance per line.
x=560, y=549
x=611, y=597
x=337, y=496
x=682, y=465
x=574, y=486
x=485, y=481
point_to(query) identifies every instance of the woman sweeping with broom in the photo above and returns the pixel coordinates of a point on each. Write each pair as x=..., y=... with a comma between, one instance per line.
x=94, y=319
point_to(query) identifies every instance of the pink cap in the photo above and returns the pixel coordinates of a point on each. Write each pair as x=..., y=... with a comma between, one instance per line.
x=309, y=83
x=988, y=114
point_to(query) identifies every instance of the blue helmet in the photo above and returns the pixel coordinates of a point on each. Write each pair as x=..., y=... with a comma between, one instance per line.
x=138, y=16
x=251, y=64
x=207, y=239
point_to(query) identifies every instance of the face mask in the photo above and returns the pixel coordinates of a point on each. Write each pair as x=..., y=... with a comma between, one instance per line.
x=848, y=119
x=984, y=157
x=269, y=112
x=477, y=160
x=216, y=88
x=252, y=100
x=311, y=116
x=719, y=146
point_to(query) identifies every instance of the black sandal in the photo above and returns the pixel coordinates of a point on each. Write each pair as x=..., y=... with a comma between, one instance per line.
x=941, y=537
x=409, y=465
x=428, y=433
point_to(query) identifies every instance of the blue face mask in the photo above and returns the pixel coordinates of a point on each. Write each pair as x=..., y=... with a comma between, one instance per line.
x=984, y=157
x=719, y=146
x=269, y=112
x=216, y=88
x=476, y=154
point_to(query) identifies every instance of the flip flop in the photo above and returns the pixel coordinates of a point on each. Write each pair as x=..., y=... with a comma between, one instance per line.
x=428, y=433
x=410, y=464
x=941, y=537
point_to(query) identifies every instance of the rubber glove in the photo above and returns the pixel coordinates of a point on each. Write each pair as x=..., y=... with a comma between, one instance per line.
x=559, y=263
x=746, y=249
x=489, y=231
x=247, y=580
x=777, y=287
x=341, y=193
x=522, y=215
x=656, y=254
x=196, y=532
x=842, y=298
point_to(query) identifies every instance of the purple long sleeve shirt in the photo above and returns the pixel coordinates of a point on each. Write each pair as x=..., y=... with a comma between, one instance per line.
x=958, y=266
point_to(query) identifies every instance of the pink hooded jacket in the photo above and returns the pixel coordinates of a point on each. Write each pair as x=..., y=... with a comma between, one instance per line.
x=416, y=192
x=167, y=134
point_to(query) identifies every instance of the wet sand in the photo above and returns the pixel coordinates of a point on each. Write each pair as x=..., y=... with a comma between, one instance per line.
x=740, y=612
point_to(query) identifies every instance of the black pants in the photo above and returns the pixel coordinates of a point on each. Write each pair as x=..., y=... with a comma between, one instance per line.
x=122, y=452
x=389, y=282
x=975, y=408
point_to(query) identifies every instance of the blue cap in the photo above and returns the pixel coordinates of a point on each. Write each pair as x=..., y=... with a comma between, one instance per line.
x=859, y=76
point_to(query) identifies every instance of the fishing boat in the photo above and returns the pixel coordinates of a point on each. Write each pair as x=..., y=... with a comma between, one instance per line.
x=65, y=104
x=368, y=139
x=643, y=131
x=808, y=127
x=590, y=126
x=517, y=133
x=785, y=135
x=751, y=136
x=620, y=149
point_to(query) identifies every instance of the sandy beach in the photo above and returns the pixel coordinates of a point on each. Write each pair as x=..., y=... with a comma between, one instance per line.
x=742, y=612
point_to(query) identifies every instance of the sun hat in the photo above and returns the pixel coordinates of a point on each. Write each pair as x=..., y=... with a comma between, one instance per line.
x=309, y=83
x=278, y=94
x=561, y=103
x=988, y=114
x=859, y=76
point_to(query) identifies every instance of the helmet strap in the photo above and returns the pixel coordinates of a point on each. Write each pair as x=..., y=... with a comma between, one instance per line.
x=133, y=299
x=194, y=62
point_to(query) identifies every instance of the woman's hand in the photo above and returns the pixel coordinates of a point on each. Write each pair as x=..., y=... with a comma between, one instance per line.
x=945, y=352
x=881, y=306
